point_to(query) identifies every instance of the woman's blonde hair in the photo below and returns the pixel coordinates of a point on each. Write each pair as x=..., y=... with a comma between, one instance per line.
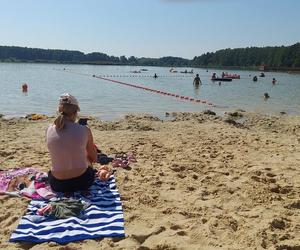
x=66, y=111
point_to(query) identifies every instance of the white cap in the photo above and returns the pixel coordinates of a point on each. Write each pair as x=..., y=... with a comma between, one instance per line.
x=67, y=98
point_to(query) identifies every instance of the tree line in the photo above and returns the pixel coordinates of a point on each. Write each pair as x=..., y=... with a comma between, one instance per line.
x=284, y=56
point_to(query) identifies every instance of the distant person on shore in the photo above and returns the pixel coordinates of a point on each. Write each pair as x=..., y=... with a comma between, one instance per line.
x=155, y=76
x=197, y=80
x=72, y=150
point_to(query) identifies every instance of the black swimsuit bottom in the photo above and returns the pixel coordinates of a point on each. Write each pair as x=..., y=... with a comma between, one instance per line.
x=80, y=183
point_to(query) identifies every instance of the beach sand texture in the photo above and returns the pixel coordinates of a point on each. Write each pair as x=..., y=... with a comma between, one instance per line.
x=201, y=181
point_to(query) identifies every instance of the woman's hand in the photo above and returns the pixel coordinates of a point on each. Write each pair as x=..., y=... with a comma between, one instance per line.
x=90, y=147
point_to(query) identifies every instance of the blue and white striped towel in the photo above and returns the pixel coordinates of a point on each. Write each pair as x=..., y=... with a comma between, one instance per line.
x=103, y=218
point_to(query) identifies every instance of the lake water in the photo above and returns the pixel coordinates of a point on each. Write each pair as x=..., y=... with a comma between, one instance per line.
x=109, y=100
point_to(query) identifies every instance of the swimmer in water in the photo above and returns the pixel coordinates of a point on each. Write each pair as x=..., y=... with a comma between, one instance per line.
x=266, y=96
x=25, y=88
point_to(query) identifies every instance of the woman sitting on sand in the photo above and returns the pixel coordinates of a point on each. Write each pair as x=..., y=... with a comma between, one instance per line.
x=71, y=149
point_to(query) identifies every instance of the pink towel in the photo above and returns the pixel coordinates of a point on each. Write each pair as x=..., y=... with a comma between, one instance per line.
x=7, y=176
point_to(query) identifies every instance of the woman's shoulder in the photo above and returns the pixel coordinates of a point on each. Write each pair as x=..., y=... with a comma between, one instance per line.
x=49, y=126
x=79, y=127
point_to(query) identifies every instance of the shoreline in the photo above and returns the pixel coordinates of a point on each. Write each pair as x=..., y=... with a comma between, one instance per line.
x=240, y=68
x=165, y=117
x=201, y=181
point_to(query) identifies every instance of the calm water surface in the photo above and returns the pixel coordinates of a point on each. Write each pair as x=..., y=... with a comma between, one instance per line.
x=109, y=100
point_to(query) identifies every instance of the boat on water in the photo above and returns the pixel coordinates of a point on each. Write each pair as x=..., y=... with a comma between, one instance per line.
x=219, y=79
x=231, y=76
x=187, y=72
x=172, y=70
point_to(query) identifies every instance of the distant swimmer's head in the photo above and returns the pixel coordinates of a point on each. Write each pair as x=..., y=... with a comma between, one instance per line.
x=197, y=74
x=68, y=108
x=266, y=95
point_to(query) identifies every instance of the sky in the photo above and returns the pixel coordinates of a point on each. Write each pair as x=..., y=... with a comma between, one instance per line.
x=149, y=28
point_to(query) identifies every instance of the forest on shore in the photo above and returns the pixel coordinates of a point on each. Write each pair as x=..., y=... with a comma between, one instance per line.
x=251, y=57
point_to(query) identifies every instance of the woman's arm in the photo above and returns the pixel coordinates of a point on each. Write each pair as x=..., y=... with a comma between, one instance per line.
x=90, y=148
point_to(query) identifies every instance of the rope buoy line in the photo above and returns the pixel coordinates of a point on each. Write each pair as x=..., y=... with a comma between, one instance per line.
x=184, y=98
x=138, y=75
x=149, y=76
x=179, y=97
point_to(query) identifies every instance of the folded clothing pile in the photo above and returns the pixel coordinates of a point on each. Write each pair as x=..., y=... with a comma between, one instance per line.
x=63, y=208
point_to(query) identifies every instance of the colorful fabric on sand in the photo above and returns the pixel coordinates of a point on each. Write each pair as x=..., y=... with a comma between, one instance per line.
x=103, y=218
x=123, y=160
x=26, y=182
x=8, y=179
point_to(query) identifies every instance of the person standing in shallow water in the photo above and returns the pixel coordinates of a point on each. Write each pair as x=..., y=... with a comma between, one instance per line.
x=197, y=80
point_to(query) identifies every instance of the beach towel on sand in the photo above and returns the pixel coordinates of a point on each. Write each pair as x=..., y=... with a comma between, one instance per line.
x=103, y=218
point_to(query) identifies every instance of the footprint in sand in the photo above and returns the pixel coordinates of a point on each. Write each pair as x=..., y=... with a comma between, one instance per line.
x=181, y=233
x=190, y=188
x=295, y=205
x=4, y=216
x=270, y=175
x=278, y=224
x=141, y=238
x=175, y=227
x=280, y=190
x=288, y=247
x=10, y=221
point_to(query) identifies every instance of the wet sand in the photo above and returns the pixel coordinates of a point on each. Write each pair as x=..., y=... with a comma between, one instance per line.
x=201, y=181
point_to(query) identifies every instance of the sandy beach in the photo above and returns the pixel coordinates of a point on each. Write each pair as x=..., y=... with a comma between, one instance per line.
x=201, y=181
